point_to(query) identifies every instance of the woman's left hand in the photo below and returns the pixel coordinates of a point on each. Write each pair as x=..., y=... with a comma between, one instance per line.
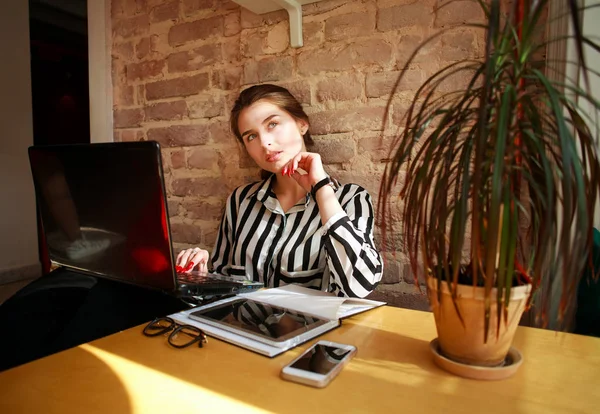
x=309, y=162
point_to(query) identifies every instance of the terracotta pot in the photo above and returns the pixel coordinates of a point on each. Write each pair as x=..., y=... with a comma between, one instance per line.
x=465, y=343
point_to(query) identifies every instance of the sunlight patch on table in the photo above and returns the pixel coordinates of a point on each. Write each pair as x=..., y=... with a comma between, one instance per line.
x=153, y=390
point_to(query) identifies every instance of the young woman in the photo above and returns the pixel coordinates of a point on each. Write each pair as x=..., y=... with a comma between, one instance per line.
x=298, y=225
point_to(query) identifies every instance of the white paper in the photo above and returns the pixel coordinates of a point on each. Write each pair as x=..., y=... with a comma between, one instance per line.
x=314, y=302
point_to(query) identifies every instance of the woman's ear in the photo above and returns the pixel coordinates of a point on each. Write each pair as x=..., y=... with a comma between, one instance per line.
x=302, y=125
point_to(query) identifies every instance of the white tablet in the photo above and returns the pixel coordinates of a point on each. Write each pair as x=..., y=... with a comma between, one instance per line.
x=272, y=325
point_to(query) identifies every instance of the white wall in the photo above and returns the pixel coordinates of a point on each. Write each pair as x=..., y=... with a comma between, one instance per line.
x=18, y=230
x=100, y=80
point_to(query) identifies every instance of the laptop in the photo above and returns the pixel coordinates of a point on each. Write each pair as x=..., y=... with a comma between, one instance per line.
x=103, y=211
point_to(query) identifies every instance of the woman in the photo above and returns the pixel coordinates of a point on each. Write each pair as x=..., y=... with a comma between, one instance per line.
x=298, y=225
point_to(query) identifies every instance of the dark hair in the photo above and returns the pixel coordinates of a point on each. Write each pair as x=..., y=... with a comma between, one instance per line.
x=274, y=94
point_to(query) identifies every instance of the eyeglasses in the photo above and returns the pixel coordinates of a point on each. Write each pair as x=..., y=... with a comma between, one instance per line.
x=182, y=335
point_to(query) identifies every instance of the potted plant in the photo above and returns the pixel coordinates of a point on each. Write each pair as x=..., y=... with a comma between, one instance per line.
x=499, y=181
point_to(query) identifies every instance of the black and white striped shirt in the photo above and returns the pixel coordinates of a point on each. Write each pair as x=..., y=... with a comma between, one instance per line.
x=257, y=239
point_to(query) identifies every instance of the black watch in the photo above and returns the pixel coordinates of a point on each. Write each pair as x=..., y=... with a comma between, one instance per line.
x=325, y=181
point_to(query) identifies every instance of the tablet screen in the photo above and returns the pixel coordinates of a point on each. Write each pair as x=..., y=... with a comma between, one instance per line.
x=266, y=321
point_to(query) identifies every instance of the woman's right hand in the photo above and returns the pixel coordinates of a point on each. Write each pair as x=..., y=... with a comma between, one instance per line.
x=190, y=259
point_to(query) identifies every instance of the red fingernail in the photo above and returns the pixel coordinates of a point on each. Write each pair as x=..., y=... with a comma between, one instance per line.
x=190, y=266
x=178, y=269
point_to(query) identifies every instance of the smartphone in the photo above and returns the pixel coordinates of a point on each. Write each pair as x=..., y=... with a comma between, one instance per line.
x=319, y=364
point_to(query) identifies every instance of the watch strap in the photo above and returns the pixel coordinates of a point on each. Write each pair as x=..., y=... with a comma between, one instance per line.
x=313, y=190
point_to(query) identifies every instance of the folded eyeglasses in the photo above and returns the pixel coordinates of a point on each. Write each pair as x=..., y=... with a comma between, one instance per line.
x=182, y=335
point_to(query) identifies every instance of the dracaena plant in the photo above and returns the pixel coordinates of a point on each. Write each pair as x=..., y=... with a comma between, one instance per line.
x=499, y=179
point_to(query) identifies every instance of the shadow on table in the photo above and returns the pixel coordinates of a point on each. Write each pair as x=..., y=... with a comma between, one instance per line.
x=37, y=387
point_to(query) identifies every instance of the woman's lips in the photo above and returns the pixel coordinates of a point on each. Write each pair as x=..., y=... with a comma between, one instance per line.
x=273, y=157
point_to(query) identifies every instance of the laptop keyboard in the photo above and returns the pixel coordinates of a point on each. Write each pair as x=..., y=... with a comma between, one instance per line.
x=188, y=278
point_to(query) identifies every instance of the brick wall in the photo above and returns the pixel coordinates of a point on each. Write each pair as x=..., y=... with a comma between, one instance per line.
x=178, y=65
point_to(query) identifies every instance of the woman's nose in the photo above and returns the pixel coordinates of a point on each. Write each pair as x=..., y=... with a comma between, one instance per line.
x=265, y=140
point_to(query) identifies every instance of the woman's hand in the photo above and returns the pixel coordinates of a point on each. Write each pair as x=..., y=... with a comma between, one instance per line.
x=189, y=259
x=309, y=162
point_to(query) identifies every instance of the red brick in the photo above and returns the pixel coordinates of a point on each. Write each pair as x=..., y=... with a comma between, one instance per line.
x=412, y=299
x=323, y=7
x=428, y=52
x=177, y=87
x=194, y=6
x=399, y=111
x=377, y=147
x=194, y=59
x=165, y=11
x=220, y=131
x=313, y=33
x=200, y=187
x=201, y=210
x=129, y=135
x=203, y=159
x=371, y=52
x=391, y=272
x=173, y=207
x=347, y=120
x=250, y=20
x=269, y=69
x=127, y=8
x=300, y=90
x=180, y=135
x=166, y=111
x=369, y=181
x=458, y=46
x=342, y=88
x=278, y=39
x=246, y=160
x=229, y=79
x=458, y=81
x=232, y=24
x=140, y=93
x=185, y=233
x=458, y=12
x=123, y=95
x=350, y=25
x=208, y=106
x=199, y=29
x=381, y=83
x=335, y=150
x=178, y=159
x=123, y=50
x=142, y=48
x=126, y=118
x=132, y=26
x=252, y=44
x=231, y=51
x=226, y=5
x=144, y=70
x=399, y=17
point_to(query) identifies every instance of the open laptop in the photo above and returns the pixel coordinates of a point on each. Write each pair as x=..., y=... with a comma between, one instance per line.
x=104, y=212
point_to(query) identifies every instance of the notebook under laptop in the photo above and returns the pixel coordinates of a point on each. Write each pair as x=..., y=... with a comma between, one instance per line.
x=103, y=211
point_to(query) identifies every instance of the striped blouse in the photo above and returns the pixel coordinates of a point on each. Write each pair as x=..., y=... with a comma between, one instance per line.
x=257, y=239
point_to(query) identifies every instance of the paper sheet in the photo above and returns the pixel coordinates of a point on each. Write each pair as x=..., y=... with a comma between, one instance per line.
x=313, y=302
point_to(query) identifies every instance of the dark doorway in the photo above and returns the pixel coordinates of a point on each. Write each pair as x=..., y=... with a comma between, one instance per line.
x=59, y=71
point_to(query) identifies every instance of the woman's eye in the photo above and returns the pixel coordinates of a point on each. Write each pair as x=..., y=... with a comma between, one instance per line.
x=272, y=124
x=250, y=137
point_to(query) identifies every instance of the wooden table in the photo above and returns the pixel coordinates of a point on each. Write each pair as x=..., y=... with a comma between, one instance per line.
x=393, y=371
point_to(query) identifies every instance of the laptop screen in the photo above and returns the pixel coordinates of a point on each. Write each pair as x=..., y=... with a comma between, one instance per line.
x=103, y=210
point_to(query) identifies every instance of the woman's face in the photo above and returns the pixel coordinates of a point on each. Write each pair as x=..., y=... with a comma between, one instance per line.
x=271, y=135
